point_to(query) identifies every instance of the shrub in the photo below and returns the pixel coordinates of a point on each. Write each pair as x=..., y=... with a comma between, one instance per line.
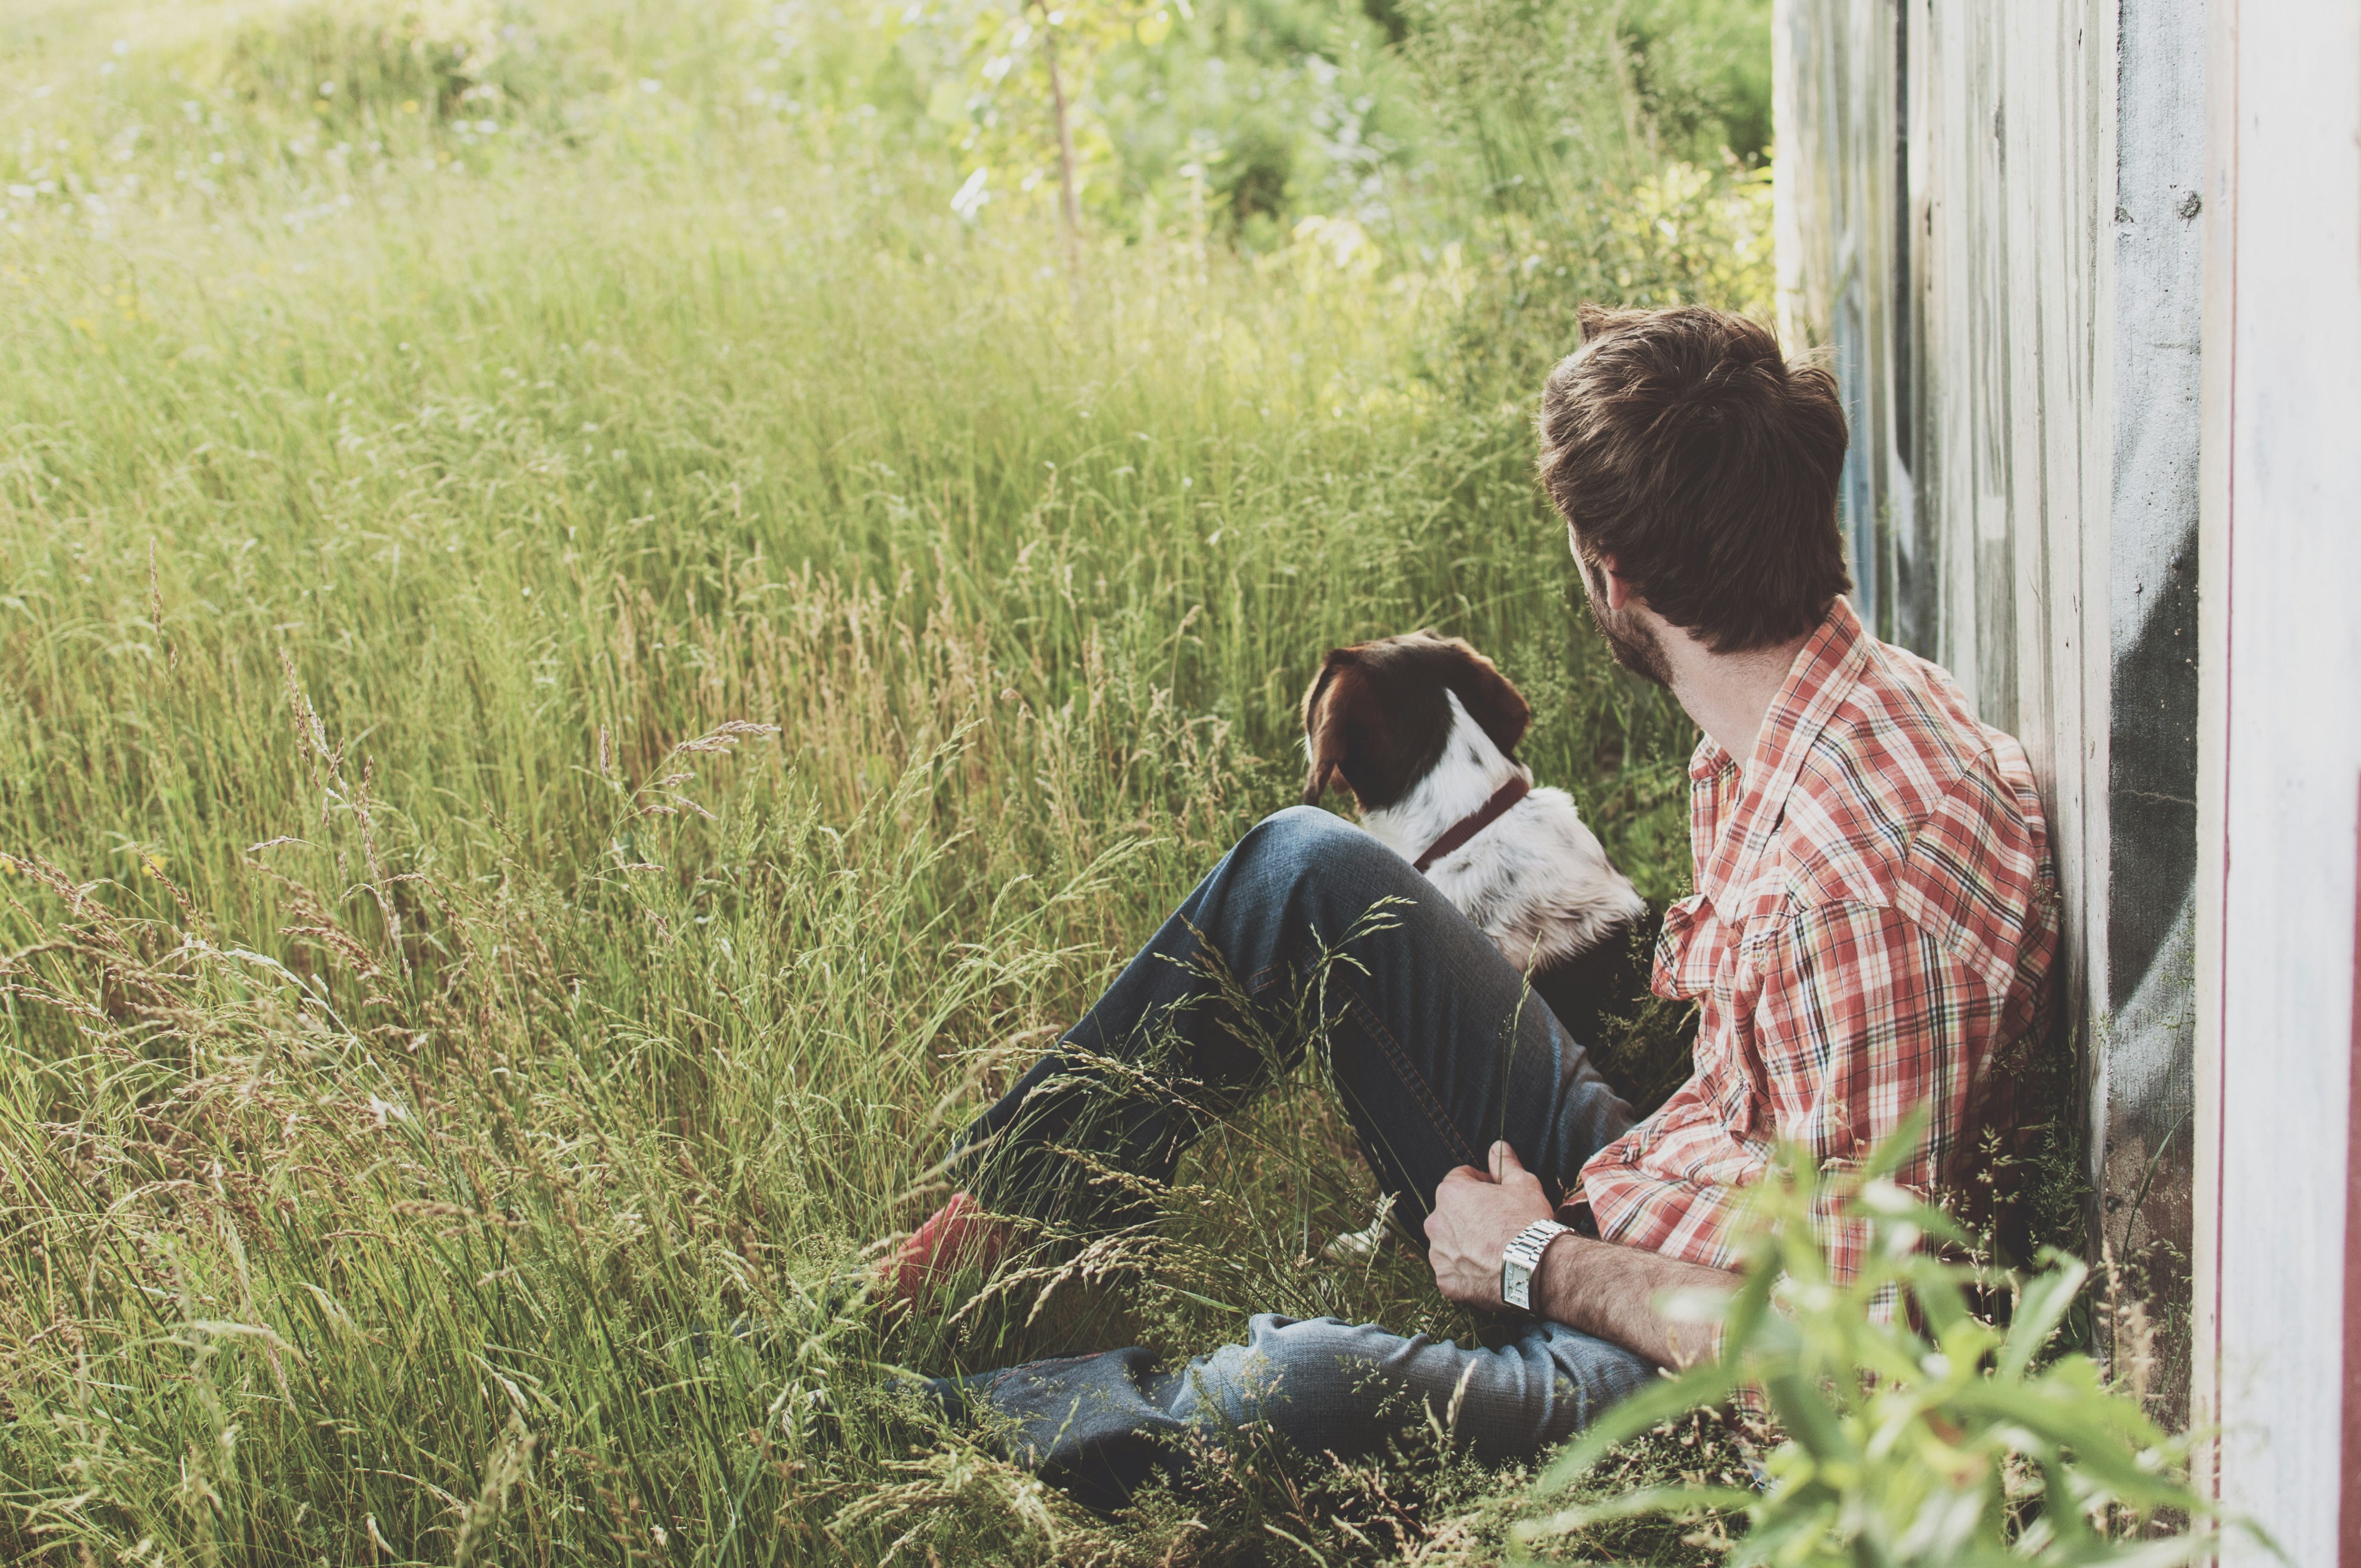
x=434, y=54
x=1916, y=1430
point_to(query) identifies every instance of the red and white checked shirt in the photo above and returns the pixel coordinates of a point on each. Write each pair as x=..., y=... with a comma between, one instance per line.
x=1874, y=915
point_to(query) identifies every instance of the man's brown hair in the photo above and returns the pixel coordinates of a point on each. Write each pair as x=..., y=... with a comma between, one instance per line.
x=1682, y=447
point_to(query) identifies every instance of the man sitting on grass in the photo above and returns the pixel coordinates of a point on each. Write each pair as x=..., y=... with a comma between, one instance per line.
x=1872, y=921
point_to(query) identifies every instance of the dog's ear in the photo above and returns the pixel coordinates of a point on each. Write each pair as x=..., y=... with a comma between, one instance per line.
x=1337, y=699
x=1499, y=708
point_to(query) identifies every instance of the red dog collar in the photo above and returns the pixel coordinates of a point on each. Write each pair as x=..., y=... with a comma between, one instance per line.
x=1466, y=827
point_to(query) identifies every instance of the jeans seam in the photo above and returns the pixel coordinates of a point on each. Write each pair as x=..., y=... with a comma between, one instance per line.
x=1270, y=974
x=1435, y=1114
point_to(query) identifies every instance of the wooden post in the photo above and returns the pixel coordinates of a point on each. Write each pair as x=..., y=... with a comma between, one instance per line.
x=2279, y=1284
x=2348, y=1530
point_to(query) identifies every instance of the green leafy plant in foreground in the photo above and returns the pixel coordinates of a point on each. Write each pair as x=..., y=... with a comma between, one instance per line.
x=1914, y=1431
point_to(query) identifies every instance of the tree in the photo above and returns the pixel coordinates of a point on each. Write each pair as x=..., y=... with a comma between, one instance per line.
x=1026, y=75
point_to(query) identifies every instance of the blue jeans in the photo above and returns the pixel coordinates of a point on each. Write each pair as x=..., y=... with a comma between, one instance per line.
x=1307, y=933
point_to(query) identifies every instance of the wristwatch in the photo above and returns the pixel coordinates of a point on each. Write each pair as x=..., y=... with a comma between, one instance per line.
x=1522, y=1260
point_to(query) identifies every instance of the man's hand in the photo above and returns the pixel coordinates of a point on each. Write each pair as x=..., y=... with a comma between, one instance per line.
x=1476, y=1217
x=1599, y=1288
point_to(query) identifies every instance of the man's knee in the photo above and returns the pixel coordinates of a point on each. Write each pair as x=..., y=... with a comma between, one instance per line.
x=1304, y=847
x=1296, y=1373
x=1299, y=830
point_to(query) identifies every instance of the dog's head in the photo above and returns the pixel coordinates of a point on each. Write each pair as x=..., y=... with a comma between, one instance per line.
x=1376, y=716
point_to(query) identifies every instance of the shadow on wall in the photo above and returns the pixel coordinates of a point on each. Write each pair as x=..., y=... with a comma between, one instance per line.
x=2145, y=1217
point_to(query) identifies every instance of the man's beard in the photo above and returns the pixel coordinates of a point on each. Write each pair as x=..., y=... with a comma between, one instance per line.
x=1633, y=643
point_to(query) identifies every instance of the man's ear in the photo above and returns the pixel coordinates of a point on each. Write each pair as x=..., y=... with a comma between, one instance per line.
x=1335, y=701
x=1613, y=587
x=1499, y=708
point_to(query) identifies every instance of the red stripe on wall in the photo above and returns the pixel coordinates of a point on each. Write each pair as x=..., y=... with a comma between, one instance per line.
x=2348, y=1545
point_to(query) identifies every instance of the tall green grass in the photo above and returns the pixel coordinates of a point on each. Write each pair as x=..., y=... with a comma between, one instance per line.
x=575, y=696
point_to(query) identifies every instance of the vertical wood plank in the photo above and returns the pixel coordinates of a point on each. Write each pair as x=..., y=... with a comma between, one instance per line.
x=2147, y=582
x=2287, y=729
x=2217, y=417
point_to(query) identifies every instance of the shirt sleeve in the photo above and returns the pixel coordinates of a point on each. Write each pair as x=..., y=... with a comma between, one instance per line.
x=1863, y=1017
x=1676, y=1184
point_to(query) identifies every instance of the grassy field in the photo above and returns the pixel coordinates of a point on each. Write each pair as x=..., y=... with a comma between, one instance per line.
x=586, y=667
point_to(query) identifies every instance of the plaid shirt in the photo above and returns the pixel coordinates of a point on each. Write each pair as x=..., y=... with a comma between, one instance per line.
x=1874, y=916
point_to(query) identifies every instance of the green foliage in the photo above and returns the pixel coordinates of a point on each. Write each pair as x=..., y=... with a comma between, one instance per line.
x=1019, y=105
x=1913, y=1428
x=1703, y=72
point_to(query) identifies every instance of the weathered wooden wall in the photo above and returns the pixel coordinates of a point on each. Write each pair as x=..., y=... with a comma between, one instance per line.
x=2279, y=890
x=2092, y=273
x=1988, y=216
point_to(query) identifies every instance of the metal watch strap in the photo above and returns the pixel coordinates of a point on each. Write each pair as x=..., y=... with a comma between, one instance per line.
x=1522, y=1258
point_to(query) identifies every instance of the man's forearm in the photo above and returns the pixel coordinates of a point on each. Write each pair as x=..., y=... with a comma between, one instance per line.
x=1608, y=1291
x=1603, y=1290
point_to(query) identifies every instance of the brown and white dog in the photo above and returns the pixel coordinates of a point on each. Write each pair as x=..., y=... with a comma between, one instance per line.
x=1423, y=730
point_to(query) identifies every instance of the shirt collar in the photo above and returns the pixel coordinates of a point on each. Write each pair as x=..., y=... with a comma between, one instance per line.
x=1823, y=676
